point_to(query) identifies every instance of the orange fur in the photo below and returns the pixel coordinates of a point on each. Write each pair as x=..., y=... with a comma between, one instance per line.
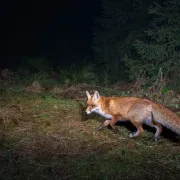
x=137, y=110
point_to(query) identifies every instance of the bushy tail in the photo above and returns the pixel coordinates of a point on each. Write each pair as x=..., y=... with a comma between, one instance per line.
x=167, y=118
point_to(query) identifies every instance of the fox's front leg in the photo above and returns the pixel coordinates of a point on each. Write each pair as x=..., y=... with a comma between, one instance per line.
x=114, y=120
x=103, y=125
x=109, y=122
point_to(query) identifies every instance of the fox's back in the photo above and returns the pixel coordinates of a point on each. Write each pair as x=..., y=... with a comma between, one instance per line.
x=123, y=105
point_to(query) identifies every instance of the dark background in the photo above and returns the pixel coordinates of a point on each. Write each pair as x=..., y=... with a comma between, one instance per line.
x=61, y=31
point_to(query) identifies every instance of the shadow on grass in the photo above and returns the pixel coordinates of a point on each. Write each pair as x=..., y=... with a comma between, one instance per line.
x=166, y=133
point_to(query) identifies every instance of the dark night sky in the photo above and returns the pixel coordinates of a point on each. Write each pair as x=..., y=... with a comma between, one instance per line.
x=59, y=30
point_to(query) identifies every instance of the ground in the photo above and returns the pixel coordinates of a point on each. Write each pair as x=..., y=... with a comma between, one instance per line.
x=47, y=136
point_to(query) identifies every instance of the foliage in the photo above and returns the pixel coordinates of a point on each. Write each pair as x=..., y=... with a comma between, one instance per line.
x=159, y=48
x=75, y=75
x=119, y=23
x=132, y=41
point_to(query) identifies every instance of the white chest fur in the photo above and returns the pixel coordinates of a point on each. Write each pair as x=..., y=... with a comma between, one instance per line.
x=100, y=112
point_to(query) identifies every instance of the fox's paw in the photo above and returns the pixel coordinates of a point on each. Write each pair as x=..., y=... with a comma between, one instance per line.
x=134, y=134
x=157, y=139
x=99, y=128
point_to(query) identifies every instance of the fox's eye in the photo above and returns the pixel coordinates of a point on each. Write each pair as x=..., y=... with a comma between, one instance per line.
x=92, y=106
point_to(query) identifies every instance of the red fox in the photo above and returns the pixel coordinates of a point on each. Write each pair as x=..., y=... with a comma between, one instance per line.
x=137, y=110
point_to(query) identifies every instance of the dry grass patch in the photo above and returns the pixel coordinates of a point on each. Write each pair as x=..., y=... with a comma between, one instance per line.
x=52, y=141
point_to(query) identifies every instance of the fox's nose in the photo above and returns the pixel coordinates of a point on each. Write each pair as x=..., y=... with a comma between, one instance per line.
x=87, y=111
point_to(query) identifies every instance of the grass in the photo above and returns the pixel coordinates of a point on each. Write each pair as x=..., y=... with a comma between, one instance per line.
x=43, y=136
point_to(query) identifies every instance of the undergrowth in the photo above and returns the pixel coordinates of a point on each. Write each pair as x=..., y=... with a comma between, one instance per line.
x=45, y=133
x=43, y=136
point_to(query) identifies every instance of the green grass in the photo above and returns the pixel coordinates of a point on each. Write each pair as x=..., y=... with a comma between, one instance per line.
x=43, y=136
x=129, y=164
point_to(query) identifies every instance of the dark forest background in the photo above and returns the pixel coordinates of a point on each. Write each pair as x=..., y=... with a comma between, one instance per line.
x=52, y=53
x=104, y=41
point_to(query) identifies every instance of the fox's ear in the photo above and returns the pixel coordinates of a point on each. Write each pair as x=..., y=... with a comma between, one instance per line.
x=88, y=95
x=96, y=95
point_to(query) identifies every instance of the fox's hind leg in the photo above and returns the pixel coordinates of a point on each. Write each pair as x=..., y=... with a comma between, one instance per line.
x=103, y=125
x=158, y=131
x=139, y=131
x=149, y=121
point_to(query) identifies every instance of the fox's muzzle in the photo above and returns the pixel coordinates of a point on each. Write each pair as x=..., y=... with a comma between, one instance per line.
x=88, y=112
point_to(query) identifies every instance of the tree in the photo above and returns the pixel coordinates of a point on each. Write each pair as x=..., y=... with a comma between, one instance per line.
x=114, y=31
x=159, y=49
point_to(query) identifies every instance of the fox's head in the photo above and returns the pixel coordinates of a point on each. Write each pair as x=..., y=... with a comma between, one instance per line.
x=93, y=102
